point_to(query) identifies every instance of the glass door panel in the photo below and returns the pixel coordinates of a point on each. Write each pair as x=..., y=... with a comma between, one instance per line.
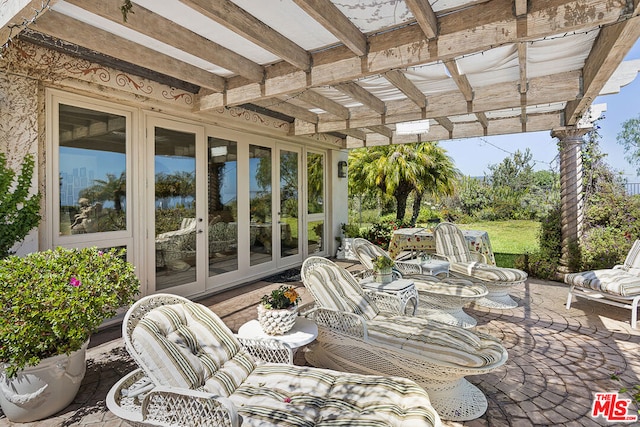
x=289, y=207
x=222, y=174
x=260, y=208
x=92, y=171
x=175, y=207
x=316, y=243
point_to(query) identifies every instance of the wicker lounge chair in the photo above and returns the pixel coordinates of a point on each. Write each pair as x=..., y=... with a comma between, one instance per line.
x=354, y=335
x=195, y=372
x=439, y=299
x=618, y=286
x=452, y=246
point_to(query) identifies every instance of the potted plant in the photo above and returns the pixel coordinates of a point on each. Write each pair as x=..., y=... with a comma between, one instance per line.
x=350, y=232
x=278, y=310
x=52, y=302
x=383, y=266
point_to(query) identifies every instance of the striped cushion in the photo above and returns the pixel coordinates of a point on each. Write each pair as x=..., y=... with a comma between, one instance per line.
x=451, y=243
x=187, y=346
x=610, y=281
x=305, y=396
x=335, y=288
x=367, y=251
x=445, y=343
x=488, y=272
x=632, y=262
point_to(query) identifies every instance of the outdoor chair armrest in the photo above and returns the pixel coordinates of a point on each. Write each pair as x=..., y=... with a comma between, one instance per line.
x=347, y=323
x=619, y=267
x=268, y=350
x=184, y=407
x=304, y=309
x=440, y=256
x=478, y=257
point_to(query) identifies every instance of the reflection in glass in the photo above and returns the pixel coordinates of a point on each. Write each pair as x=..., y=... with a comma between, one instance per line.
x=260, y=231
x=316, y=236
x=175, y=207
x=289, y=244
x=223, y=206
x=92, y=180
x=315, y=182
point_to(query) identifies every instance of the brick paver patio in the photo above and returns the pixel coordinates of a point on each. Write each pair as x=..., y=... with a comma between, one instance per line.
x=558, y=358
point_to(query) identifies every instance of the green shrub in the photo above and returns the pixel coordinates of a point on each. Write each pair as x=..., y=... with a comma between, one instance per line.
x=53, y=301
x=19, y=212
x=380, y=232
x=544, y=262
x=603, y=247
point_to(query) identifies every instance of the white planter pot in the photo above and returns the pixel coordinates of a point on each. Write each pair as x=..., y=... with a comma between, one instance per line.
x=384, y=277
x=277, y=322
x=40, y=391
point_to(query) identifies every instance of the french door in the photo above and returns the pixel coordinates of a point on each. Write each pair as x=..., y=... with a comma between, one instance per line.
x=176, y=204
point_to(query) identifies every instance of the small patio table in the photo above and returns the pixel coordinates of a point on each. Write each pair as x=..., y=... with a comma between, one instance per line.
x=422, y=240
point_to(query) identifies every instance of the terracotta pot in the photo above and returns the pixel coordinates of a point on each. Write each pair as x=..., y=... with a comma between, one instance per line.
x=39, y=391
x=278, y=321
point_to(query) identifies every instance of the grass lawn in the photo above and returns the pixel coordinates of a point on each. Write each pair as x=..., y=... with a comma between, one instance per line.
x=508, y=238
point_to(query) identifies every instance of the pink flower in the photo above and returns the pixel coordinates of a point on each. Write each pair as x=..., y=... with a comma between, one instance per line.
x=74, y=282
x=287, y=400
x=100, y=253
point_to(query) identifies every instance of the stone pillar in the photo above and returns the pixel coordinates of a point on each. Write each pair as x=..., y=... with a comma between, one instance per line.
x=571, y=195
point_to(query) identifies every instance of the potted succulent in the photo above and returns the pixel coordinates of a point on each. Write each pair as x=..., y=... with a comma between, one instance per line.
x=52, y=301
x=278, y=310
x=383, y=266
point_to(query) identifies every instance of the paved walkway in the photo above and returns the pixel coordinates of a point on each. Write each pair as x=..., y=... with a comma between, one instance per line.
x=558, y=359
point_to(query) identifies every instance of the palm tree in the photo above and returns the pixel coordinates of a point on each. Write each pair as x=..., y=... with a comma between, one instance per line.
x=112, y=188
x=398, y=170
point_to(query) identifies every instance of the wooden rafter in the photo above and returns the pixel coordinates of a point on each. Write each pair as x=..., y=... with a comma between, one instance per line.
x=237, y=19
x=330, y=17
x=425, y=17
x=609, y=49
x=461, y=33
x=154, y=25
x=406, y=86
x=460, y=79
x=360, y=94
x=520, y=7
x=382, y=130
x=82, y=34
x=546, y=89
x=314, y=98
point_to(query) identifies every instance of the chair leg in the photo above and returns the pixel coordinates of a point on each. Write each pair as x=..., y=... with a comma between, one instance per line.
x=570, y=296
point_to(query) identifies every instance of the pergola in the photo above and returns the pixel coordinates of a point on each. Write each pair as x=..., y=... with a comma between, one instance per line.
x=356, y=69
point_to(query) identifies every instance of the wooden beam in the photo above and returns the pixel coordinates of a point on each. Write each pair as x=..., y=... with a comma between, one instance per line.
x=93, y=130
x=460, y=79
x=314, y=98
x=406, y=86
x=543, y=90
x=445, y=123
x=482, y=118
x=17, y=14
x=520, y=7
x=355, y=133
x=241, y=22
x=382, y=130
x=425, y=16
x=609, y=49
x=156, y=26
x=327, y=14
x=71, y=30
x=471, y=30
x=284, y=107
x=360, y=94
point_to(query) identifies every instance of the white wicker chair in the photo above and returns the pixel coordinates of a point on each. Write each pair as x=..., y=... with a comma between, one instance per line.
x=195, y=372
x=355, y=336
x=440, y=299
x=452, y=246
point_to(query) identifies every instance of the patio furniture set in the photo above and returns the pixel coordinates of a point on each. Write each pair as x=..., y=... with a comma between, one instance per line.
x=372, y=364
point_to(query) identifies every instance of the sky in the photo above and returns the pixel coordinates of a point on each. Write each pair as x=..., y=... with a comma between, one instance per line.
x=472, y=156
